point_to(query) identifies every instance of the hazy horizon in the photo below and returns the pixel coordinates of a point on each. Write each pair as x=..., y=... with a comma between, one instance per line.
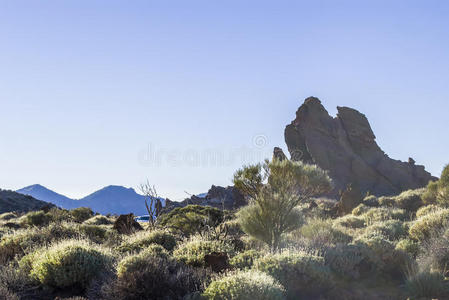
x=97, y=93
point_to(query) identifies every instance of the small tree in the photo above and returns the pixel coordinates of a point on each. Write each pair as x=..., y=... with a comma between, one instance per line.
x=152, y=202
x=275, y=189
x=438, y=191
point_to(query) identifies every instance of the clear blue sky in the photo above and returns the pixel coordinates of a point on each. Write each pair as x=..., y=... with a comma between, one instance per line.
x=95, y=93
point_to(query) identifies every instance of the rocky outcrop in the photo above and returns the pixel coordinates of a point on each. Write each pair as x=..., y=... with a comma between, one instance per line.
x=346, y=147
x=217, y=196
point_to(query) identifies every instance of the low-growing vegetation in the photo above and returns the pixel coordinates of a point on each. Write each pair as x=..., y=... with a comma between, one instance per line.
x=284, y=244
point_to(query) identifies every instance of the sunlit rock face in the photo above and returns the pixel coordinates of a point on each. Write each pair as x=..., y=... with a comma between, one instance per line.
x=346, y=147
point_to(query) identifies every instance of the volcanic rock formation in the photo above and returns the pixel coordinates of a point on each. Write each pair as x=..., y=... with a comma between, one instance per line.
x=346, y=147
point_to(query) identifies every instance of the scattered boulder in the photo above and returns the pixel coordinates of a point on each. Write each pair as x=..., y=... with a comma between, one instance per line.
x=346, y=147
x=279, y=154
x=125, y=224
x=217, y=196
x=350, y=199
x=218, y=262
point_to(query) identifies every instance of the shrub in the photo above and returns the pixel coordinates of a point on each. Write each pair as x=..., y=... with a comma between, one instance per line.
x=245, y=260
x=60, y=215
x=81, y=214
x=143, y=239
x=371, y=201
x=71, y=263
x=192, y=219
x=193, y=252
x=410, y=200
x=94, y=233
x=360, y=210
x=350, y=221
x=272, y=211
x=352, y=261
x=392, y=229
x=133, y=263
x=98, y=220
x=408, y=246
x=7, y=216
x=16, y=243
x=423, y=228
x=376, y=214
x=6, y=294
x=303, y=275
x=427, y=284
x=320, y=233
x=430, y=195
x=425, y=210
x=387, y=201
x=37, y=218
x=245, y=285
x=154, y=278
x=388, y=260
x=438, y=192
x=435, y=251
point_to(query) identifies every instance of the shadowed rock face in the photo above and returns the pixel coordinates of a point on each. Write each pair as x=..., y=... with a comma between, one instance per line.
x=346, y=147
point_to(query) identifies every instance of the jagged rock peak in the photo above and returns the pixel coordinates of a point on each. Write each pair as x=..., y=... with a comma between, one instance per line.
x=346, y=147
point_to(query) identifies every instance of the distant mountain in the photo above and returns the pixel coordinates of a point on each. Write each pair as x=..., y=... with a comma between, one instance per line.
x=109, y=200
x=42, y=193
x=12, y=201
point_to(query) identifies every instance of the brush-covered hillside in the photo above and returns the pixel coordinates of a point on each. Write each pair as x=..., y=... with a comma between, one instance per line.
x=284, y=244
x=12, y=201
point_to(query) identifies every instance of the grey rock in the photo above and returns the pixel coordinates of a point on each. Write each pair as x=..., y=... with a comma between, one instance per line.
x=346, y=147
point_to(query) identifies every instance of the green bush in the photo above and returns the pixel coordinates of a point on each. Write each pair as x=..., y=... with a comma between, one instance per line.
x=426, y=284
x=376, y=214
x=371, y=201
x=81, y=214
x=387, y=201
x=98, y=220
x=245, y=285
x=7, y=216
x=245, y=260
x=430, y=195
x=37, y=218
x=191, y=219
x=392, y=229
x=350, y=221
x=273, y=208
x=154, y=277
x=321, y=233
x=360, y=210
x=193, y=251
x=16, y=243
x=94, y=233
x=388, y=260
x=71, y=263
x=60, y=215
x=143, y=239
x=429, y=224
x=303, y=275
x=352, y=261
x=408, y=246
x=133, y=263
x=438, y=192
x=410, y=200
x=435, y=252
x=427, y=209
